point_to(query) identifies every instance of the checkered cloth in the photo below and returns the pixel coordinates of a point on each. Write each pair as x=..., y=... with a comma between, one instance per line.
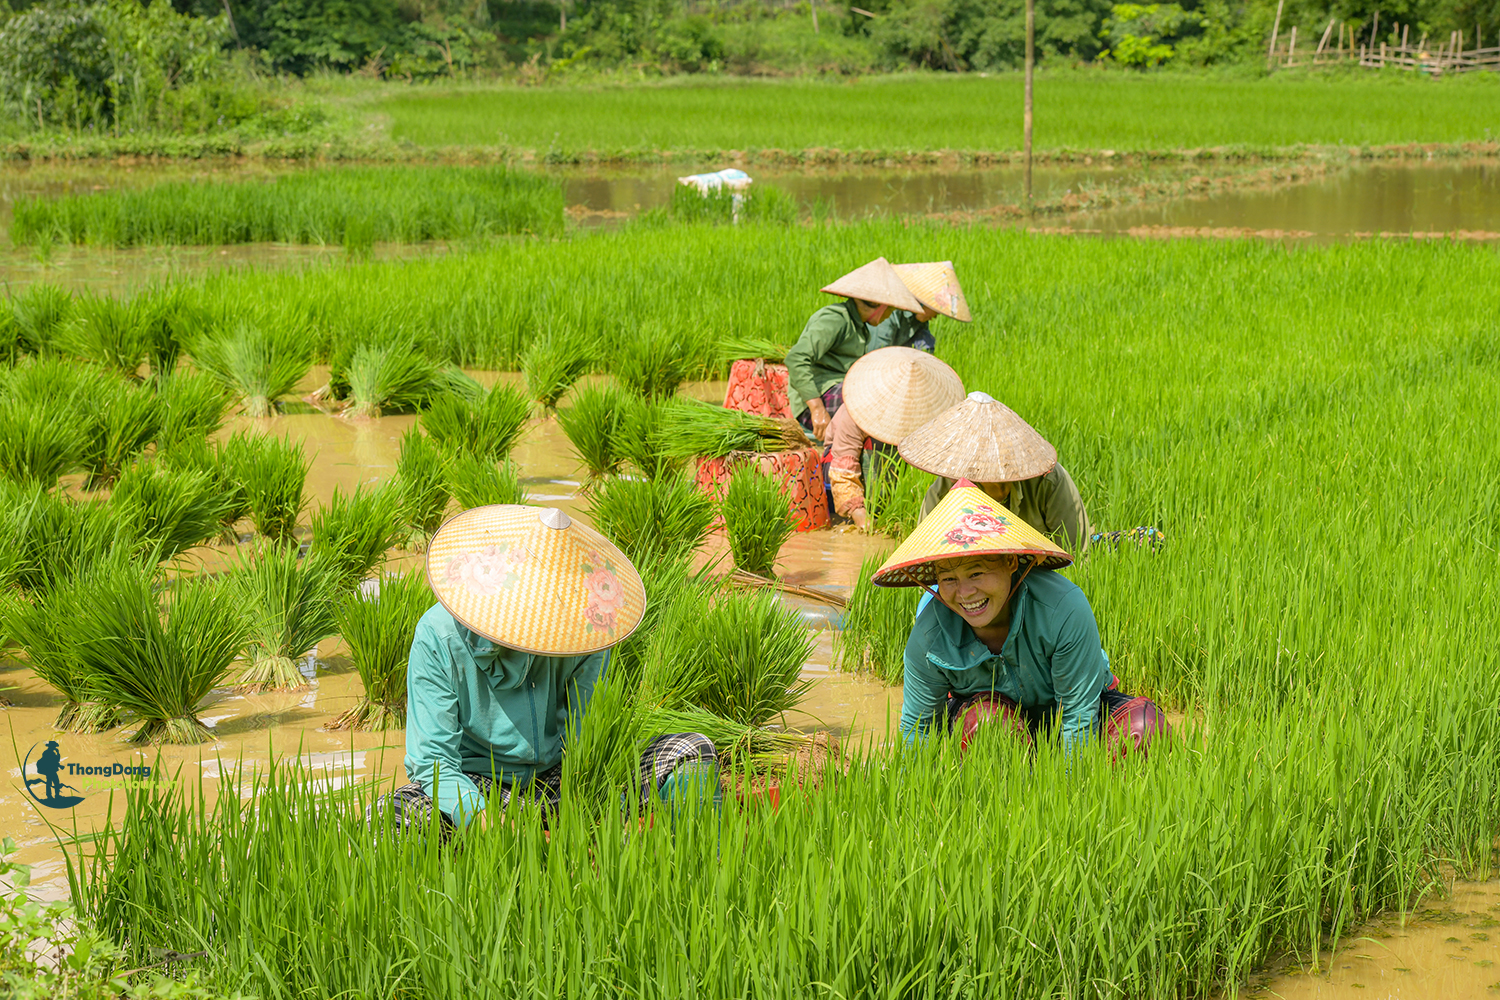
x=410, y=808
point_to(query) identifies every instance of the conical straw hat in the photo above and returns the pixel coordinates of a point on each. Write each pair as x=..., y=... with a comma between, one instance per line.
x=534, y=579
x=893, y=391
x=967, y=523
x=981, y=440
x=936, y=286
x=878, y=282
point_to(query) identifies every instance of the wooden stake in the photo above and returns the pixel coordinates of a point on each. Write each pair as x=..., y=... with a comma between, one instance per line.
x=1275, y=30
x=1026, y=202
x=1291, y=46
x=1374, y=28
x=814, y=5
x=1405, y=31
x=1323, y=42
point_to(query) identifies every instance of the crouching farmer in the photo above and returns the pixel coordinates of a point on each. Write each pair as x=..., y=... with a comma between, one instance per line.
x=502, y=668
x=1008, y=643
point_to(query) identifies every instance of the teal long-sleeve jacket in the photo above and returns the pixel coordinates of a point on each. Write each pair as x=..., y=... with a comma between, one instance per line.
x=473, y=705
x=1051, y=658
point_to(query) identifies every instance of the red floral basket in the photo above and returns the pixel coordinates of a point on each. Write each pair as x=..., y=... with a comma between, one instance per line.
x=801, y=470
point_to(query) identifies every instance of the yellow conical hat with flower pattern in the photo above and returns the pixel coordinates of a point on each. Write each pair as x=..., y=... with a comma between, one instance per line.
x=534, y=579
x=967, y=523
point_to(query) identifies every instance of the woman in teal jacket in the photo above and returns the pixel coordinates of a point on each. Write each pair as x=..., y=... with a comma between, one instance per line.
x=501, y=670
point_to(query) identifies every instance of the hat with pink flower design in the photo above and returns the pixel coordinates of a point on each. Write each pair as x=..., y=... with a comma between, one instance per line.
x=534, y=579
x=966, y=524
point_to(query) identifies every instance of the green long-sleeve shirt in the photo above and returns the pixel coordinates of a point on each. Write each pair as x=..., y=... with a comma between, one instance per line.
x=1050, y=503
x=473, y=705
x=1051, y=658
x=833, y=339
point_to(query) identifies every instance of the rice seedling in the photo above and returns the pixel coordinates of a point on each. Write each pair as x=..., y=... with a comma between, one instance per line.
x=638, y=437
x=53, y=538
x=123, y=418
x=651, y=519
x=475, y=482
x=893, y=494
x=38, y=442
x=193, y=409
x=688, y=429
x=653, y=364
x=378, y=629
x=157, y=654
x=292, y=605
x=391, y=378
x=354, y=531
x=552, y=364
x=272, y=472
x=737, y=348
x=39, y=313
x=46, y=629
x=592, y=425
x=195, y=455
x=422, y=478
x=761, y=203
x=488, y=426
x=115, y=335
x=256, y=364
x=758, y=519
x=168, y=510
x=877, y=623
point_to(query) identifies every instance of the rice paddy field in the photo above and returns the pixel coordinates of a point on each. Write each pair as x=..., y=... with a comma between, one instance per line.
x=1308, y=426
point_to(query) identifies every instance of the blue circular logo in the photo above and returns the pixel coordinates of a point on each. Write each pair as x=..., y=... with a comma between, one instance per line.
x=45, y=776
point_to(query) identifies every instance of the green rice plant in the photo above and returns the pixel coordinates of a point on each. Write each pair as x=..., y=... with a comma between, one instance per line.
x=168, y=510
x=53, y=538
x=193, y=409
x=40, y=312
x=592, y=425
x=257, y=365
x=652, y=364
x=893, y=494
x=738, y=348
x=762, y=203
x=475, y=482
x=272, y=472
x=391, y=378
x=551, y=364
x=169, y=318
x=11, y=346
x=354, y=531
x=46, y=629
x=638, y=437
x=194, y=454
x=113, y=334
x=378, y=629
x=292, y=605
x=758, y=519
x=422, y=478
x=877, y=623
x=488, y=426
x=650, y=519
x=123, y=418
x=155, y=653
x=689, y=429
x=38, y=441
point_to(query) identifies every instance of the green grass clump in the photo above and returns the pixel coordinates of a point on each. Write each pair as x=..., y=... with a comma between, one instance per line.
x=257, y=365
x=353, y=531
x=272, y=475
x=38, y=441
x=193, y=408
x=758, y=519
x=390, y=378
x=740, y=348
x=691, y=429
x=379, y=629
x=893, y=494
x=168, y=510
x=650, y=519
x=53, y=538
x=422, y=478
x=356, y=206
x=292, y=606
x=46, y=628
x=653, y=364
x=123, y=419
x=758, y=203
x=115, y=335
x=877, y=623
x=552, y=364
x=39, y=314
x=475, y=482
x=639, y=438
x=592, y=425
x=488, y=425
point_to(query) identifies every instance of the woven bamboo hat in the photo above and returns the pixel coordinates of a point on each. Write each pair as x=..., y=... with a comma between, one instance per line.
x=935, y=285
x=966, y=524
x=534, y=579
x=878, y=282
x=981, y=440
x=893, y=391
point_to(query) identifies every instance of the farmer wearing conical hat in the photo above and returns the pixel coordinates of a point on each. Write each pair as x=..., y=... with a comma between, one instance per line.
x=984, y=441
x=502, y=668
x=887, y=394
x=1008, y=640
x=935, y=285
x=836, y=336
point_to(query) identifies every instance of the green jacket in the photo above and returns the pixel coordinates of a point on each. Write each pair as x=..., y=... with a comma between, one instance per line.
x=1049, y=503
x=1051, y=658
x=833, y=339
x=475, y=706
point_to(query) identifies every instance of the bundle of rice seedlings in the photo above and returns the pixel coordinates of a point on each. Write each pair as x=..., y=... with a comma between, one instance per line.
x=125, y=417
x=193, y=408
x=653, y=365
x=168, y=510
x=378, y=629
x=652, y=519
x=108, y=332
x=196, y=455
x=592, y=425
x=168, y=318
x=668, y=582
x=758, y=519
x=55, y=538
x=46, y=629
x=740, y=348
x=272, y=472
x=391, y=378
x=638, y=437
x=688, y=428
x=158, y=662
x=487, y=426
x=256, y=365
x=40, y=313
x=422, y=475
x=552, y=364
x=11, y=346
x=353, y=532
x=893, y=495
x=877, y=623
x=476, y=482
x=292, y=606
x=39, y=442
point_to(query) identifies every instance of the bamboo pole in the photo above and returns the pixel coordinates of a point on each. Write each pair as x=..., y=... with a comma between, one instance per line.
x=1275, y=30
x=1323, y=42
x=814, y=5
x=1373, y=29
x=1291, y=46
x=1026, y=112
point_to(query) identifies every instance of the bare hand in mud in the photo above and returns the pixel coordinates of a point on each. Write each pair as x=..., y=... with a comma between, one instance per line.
x=819, y=414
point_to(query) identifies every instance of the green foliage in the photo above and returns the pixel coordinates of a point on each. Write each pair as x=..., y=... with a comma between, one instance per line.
x=53, y=538
x=893, y=494
x=592, y=425
x=653, y=364
x=38, y=441
x=255, y=364
x=487, y=426
x=552, y=364
x=378, y=629
x=422, y=478
x=193, y=409
x=392, y=378
x=758, y=203
x=652, y=519
x=169, y=510
x=639, y=437
x=688, y=429
x=272, y=472
x=39, y=313
x=758, y=519
x=477, y=482
x=354, y=531
x=877, y=623
x=122, y=419
x=1138, y=33
x=291, y=604
x=111, y=333
x=47, y=629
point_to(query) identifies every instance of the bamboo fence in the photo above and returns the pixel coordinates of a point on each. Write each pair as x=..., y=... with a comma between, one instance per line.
x=1339, y=43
